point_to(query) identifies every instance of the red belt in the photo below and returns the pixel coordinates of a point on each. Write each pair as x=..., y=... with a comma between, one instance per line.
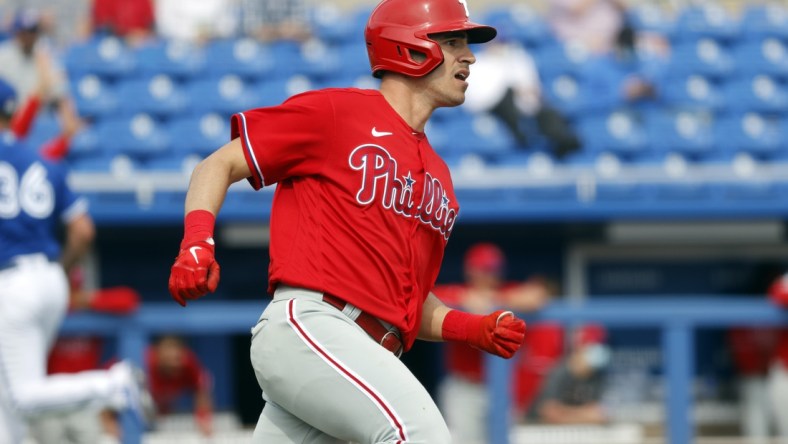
x=388, y=338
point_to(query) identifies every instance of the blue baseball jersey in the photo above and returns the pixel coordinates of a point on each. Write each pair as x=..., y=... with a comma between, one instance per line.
x=34, y=201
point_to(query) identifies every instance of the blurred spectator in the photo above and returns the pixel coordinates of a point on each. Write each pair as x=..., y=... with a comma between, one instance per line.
x=753, y=350
x=276, y=19
x=463, y=393
x=629, y=73
x=197, y=22
x=777, y=382
x=62, y=22
x=174, y=371
x=77, y=353
x=132, y=20
x=508, y=86
x=574, y=389
x=28, y=65
x=593, y=24
x=25, y=58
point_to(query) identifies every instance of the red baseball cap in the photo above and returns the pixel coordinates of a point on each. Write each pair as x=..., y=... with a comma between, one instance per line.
x=485, y=256
x=591, y=334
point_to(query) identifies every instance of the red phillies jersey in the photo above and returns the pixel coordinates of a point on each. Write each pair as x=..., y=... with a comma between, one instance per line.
x=363, y=207
x=167, y=388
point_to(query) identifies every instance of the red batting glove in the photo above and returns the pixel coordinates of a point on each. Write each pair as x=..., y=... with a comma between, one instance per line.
x=195, y=272
x=499, y=333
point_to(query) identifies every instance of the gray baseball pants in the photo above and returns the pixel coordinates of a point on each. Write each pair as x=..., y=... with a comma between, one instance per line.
x=325, y=381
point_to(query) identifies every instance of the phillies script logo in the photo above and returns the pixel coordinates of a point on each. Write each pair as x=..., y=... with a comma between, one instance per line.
x=380, y=180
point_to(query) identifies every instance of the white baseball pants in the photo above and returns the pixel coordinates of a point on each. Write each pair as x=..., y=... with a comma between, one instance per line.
x=33, y=302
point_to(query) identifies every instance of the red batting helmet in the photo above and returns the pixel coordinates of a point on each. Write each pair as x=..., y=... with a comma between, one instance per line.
x=397, y=27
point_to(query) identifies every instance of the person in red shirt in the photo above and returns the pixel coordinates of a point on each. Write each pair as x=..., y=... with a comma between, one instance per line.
x=463, y=396
x=777, y=377
x=174, y=371
x=361, y=215
x=753, y=350
x=132, y=20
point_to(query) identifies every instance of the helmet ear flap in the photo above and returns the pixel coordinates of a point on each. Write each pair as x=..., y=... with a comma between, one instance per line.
x=395, y=49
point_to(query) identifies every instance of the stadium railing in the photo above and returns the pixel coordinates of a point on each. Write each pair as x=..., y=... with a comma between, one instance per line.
x=676, y=319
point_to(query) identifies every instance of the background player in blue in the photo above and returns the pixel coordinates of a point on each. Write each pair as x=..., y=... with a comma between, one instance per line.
x=34, y=201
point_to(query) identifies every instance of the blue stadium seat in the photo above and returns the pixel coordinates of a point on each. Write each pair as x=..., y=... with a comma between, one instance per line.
x=646, y=16
x=332, y=25
x=243, y=57
x=86, y=144
x=321, y=61
x=94, y=96
x=289, y=58
x=567, y=93
x=225, y=95
x=518, y=22
x=198, y=134
x=159, y=95
x=480, y=134
x=706, y=21
x=139, y=136
x=611, y=182
x=620, y=132
x=275, y=91
x=686, y=132
x=705, y=57
x=747, y=183
x=750, y=132
x=355, y=61
x=692, y=91
x=106, y=57
x=556, y=58
x=761, y=93
x=768, y=55
x=178, y=59
x=765, y=20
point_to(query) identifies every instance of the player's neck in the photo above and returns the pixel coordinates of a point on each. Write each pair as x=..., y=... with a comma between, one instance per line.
x=407, y=101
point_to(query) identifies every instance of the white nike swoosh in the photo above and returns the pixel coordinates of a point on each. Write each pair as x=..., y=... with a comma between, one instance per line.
x=376, y=133
x=193, y=251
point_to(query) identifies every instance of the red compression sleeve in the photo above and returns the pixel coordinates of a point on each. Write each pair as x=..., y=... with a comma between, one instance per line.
x=198, y=226
x=457, y=324
x=22, y=121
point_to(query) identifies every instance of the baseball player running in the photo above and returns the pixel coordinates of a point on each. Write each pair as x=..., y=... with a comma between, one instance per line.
x=34, y=200
x=362, y=212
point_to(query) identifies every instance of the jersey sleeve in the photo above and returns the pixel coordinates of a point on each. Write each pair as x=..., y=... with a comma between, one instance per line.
x=449, y=294
x=289, y=140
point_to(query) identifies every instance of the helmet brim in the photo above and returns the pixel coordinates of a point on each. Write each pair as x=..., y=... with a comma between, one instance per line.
x=480, y=33
x=476, y=33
